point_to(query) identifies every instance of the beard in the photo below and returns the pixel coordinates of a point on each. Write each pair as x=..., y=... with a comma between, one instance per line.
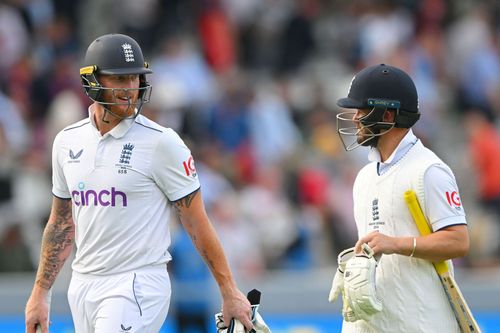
x=368, y=138
x=120, y=106
x=123, y=110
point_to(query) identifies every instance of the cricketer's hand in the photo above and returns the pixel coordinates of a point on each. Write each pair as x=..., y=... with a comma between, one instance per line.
x=338, y=285
x=235, y=326
x=359, y=284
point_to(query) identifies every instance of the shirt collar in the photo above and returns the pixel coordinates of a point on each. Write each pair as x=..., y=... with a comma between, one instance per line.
x=118, y=131
x=404, y=146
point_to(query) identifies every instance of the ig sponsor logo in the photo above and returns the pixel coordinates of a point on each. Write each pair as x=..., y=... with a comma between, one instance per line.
x=189, y=167
x=453, y=199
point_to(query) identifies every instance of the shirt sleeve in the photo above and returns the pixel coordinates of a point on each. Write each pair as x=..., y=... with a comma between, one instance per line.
x=173, y=167
x=443, y=204
x=59, y=184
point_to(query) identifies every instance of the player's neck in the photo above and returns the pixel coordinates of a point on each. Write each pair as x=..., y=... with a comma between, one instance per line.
x=387, y=143
x=104, y=121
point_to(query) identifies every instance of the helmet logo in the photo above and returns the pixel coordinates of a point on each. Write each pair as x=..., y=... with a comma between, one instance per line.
x=128, y=52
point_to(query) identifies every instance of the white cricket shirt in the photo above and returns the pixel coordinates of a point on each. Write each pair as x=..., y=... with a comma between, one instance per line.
x=443, y=206
x=121, y=185
x=413, y=297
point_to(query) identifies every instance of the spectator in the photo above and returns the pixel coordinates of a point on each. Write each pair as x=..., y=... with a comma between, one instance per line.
x=484, y=150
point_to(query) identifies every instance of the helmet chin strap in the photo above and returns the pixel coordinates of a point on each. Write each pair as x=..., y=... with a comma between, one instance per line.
x=108, y=110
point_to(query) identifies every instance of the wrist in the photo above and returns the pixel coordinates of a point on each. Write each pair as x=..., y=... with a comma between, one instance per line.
x=413, y=246
x=39, y=291
x=228, y=288
x=405, y=246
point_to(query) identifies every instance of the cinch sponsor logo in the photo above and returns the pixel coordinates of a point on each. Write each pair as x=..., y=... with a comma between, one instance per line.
x=102, y=198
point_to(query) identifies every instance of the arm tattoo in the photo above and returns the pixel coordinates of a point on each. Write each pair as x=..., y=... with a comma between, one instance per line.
x=184, y=202
x=57, y=243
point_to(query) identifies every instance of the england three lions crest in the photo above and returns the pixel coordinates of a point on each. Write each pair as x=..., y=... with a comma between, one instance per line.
x=125, y=157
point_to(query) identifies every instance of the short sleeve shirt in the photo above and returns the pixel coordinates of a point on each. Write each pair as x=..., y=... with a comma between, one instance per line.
x=121, y=186
x=443, y=206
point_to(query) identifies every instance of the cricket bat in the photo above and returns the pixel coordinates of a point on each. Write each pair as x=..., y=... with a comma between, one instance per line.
x=48, y=299
x=462, y=312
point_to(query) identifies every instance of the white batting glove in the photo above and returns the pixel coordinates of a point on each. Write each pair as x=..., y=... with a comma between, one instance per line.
x=259, y=324
x=338, y=279
x=338, y=285
x=359, y=285
x=235, y=326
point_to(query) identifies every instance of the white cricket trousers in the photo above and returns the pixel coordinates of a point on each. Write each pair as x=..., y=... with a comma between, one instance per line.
x=131, y=302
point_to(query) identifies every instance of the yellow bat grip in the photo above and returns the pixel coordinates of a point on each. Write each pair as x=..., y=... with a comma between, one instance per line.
x=422, y=225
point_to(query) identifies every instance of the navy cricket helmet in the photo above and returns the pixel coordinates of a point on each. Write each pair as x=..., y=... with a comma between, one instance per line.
x=379, y=88
x=114, y=54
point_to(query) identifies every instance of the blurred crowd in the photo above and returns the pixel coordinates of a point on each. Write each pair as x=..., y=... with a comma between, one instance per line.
x=251, y=86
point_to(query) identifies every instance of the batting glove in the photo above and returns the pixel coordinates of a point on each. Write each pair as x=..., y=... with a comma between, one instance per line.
x=235, y=326
x=338, y=285
x=258, y=322
x=359, y=285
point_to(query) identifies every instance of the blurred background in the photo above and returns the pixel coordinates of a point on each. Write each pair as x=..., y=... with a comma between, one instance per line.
x=251, y=86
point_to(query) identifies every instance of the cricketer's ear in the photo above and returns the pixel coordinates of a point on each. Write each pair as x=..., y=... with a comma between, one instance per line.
x=389, y=116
